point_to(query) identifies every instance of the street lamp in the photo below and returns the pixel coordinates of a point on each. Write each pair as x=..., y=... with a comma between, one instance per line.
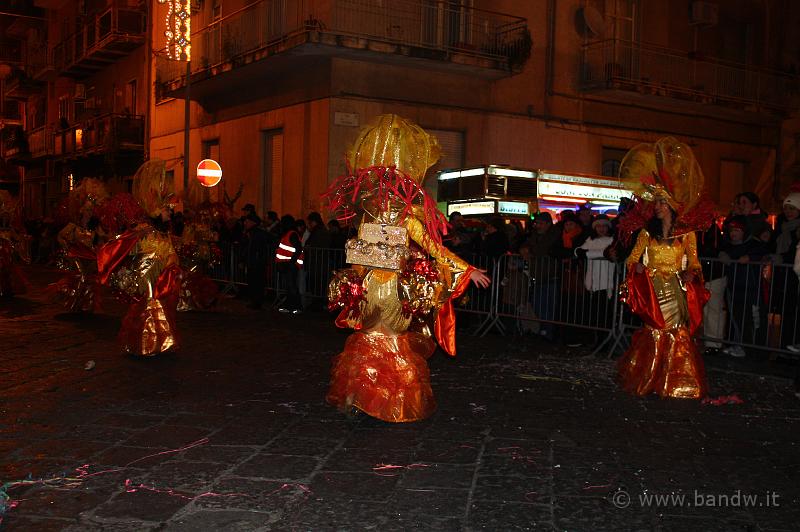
x=178, y=32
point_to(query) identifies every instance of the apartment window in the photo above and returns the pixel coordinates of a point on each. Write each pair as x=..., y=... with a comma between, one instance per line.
x=130, y=97
x=271, y=165
x=211, y=149
x=612, y=157
x=64, y=114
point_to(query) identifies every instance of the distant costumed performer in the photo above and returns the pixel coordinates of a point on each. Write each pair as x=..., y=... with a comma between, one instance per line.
x=79, y=289
x=13, y=248
x=142, y=264
x=395, y=296
x=664, y=284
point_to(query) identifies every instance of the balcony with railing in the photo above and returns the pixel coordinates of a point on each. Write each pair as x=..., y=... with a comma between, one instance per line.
x=40, y=61
x=40, y=142
x=108, y=133
x=479, y=42
x=20, y=86
x=102, y=40
x=615, y=65
x=14, y=143
x=10, y=115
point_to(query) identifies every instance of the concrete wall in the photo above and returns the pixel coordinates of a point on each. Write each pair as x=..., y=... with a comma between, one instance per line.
x=305, y=155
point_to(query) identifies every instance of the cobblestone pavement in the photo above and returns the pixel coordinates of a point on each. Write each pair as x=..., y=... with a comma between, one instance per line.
x=232, y=433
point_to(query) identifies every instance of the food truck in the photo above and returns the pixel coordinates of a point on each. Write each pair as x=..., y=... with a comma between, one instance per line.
x=515, y=193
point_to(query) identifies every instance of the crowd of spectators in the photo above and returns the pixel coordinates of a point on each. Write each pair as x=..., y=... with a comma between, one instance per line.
x=567, y=270
x=561, y=268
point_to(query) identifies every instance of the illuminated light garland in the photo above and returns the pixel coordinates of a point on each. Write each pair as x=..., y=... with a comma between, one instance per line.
x=178, y=23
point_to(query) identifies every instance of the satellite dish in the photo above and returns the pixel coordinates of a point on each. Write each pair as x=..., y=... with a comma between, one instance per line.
x=591, y=21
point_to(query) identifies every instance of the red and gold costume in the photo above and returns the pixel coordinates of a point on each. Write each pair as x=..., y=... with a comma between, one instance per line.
x=79, y=290
x=13, y=248
x=197, y=253
x=396, y=308
x=142, y=264
x=663, y=358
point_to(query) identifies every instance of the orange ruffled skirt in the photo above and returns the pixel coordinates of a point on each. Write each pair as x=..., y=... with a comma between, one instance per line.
x=384, y=375
x=663, y=361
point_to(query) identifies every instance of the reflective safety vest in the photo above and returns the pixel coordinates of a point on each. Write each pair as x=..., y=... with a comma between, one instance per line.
x=286, y=250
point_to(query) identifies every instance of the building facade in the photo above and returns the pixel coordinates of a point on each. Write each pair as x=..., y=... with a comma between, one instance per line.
x=279, y=88
x=81, y=91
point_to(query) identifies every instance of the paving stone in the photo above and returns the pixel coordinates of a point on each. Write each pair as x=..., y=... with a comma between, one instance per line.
x=365, y=460
x=599, y=513
x=428, y=503
x=439, y=476
x=446, y=451
x=250, y=494
x=183, y=476
x=142, y=504
x=170, y=436
x=229, y=521
x=17, y=523
x=329, y=485
x=513, y=489
x=301, y=446
x=277, y=467
x=223, y=454
x=509, y=516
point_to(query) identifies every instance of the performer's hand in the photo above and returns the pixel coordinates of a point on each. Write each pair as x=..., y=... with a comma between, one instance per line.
x=639, y=267
x=479, y=278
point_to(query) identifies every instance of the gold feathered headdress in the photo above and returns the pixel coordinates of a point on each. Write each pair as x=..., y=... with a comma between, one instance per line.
x=385, y=169
x=391, y=140
x=152, y=189
x=664, y=170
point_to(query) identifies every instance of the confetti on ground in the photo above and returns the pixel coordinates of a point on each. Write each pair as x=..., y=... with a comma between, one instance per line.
x=528, y=377
x=382, y=469
x=723, y=400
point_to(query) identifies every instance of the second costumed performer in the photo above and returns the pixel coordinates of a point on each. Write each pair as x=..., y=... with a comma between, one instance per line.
x=664, y=285
x=395, y=296
x=142, y=264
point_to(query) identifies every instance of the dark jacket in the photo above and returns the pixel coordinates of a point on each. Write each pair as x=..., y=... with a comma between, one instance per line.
x=256, y=248
x=743, y=276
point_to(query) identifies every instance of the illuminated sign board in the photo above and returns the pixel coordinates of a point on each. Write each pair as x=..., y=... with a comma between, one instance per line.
x=455, y=174
x=471, y=207
x=583, y=180
x=589, y=193
x=513, y=207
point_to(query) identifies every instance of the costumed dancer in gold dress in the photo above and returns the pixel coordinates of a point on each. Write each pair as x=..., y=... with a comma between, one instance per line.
x=395, y=297
x=142, y=264
x=79, y=290
x=13, y=248
x=195, y=243
x=664, y=286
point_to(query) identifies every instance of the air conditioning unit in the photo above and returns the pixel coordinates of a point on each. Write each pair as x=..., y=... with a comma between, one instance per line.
x=80, y=91
x=704, y=14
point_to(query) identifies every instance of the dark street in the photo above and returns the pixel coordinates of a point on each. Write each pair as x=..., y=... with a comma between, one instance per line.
x=232, y=433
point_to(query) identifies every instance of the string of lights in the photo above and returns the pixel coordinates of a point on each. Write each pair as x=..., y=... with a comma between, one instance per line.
x=178, y=23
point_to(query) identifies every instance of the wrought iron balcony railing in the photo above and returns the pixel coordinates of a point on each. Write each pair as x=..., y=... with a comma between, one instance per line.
x=102, y=40
x=40, y=142
x=100, y=134
x=616, y=64
x=414, y=28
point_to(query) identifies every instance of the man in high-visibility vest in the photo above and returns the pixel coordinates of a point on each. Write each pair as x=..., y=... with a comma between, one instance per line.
x=288, y=261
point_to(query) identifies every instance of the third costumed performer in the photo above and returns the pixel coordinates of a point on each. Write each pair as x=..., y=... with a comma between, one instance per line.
x=396, y=297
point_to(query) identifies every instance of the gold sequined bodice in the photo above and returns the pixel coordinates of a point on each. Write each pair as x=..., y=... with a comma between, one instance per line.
x=668, y=256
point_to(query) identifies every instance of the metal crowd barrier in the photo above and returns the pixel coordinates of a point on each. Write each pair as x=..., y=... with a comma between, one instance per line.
x=753, y=305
